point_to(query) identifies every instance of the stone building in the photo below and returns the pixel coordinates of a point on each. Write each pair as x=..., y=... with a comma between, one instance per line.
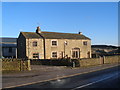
x=52, y=45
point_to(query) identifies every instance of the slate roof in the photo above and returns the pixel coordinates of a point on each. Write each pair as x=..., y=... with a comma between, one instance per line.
x=54, y=35
x=31, y=35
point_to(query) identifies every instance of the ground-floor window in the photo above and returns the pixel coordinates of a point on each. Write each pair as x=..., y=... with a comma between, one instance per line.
x=54, y=54
x=35, y=55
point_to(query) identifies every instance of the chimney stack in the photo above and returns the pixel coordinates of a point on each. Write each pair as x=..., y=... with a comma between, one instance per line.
x=80, y=33
x=38, y=30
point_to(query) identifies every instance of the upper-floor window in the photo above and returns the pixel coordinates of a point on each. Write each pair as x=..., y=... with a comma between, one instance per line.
x=35, y=43
x=85, y=43
x=54, y=43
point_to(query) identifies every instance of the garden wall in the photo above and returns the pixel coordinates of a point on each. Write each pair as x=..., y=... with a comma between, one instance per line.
x=15, y=64
x=99, y=61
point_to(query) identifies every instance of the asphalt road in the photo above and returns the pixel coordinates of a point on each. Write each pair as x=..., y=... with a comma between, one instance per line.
x=107, y=78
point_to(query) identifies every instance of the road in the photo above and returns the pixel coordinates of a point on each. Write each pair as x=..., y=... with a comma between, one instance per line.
x=107, y=78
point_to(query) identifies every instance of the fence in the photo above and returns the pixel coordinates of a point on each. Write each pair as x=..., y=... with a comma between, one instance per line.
x=16, y=64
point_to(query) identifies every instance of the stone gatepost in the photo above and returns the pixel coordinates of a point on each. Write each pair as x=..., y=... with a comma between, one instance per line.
x=28, y=64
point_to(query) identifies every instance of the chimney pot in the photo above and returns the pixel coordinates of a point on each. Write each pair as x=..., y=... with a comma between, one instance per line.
x=80, y=33
x=38, y=30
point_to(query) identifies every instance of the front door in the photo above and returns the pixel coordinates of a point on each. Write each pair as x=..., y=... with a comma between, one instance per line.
x=76, y=53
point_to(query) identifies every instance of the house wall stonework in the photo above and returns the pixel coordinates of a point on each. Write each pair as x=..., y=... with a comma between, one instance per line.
x=30, y=49
x=71, y=43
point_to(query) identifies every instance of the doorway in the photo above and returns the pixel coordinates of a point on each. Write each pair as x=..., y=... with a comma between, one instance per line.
x=75, y=53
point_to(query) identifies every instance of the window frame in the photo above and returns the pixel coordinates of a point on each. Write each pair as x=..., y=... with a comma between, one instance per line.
x=85, y=43
x=37, y=57
x=52, y=54
x=34, y=43
x=52, y=43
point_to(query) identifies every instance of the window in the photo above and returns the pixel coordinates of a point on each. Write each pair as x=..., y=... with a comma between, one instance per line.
x=35, y=55
x=35, y=44
x=54, y=43
x=54, y=54
x=85, y=43
x=10, y=49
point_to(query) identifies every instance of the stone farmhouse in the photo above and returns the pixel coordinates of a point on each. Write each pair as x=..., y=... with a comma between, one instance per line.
x=53, y=45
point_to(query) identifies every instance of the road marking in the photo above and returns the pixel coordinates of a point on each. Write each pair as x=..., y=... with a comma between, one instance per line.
x=58, y=78
x=92, y=83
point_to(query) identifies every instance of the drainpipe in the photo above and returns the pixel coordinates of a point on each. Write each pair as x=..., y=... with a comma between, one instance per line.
x=64, y=50
x=44, y=48
x=43, y=45
x=28, y=48
x=65, y=43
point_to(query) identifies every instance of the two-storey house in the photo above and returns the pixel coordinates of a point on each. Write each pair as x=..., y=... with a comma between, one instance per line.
x=49, y=45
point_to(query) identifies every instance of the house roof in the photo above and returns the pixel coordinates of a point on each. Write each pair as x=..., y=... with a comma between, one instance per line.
x=54, y=35
x=31, y=35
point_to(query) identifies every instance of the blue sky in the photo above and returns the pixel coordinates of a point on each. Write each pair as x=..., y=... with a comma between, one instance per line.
x=97, y=20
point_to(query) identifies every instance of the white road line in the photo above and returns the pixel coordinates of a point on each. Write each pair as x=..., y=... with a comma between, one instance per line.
x=93, y=82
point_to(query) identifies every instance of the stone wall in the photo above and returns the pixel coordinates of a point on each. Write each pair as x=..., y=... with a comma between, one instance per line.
x=30, y=49
x=112, y=59
x=89, y=62
x=99, y=61
x=15, y=64
x=71, y=43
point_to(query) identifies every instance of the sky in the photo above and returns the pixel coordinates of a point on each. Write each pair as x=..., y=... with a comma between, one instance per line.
x=96, y=20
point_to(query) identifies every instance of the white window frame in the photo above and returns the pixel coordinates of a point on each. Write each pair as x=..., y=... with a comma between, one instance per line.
x=52, y=54
x=54, y=45
x=34, y=42
x=85, y=44
x=35, y=55
x=79, y=52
